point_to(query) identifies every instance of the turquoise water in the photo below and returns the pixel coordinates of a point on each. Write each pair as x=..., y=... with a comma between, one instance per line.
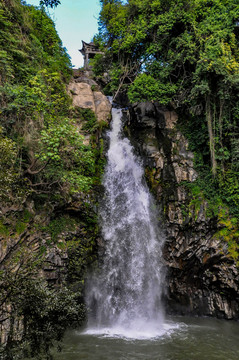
x=184, y=339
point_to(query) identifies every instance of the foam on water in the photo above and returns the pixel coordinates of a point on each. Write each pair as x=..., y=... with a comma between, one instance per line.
x=138, y=331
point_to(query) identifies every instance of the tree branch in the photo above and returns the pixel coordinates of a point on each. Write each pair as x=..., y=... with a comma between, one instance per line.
x=34, y=172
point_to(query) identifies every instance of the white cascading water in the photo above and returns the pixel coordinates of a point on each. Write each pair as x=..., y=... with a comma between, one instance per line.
x=125, y=298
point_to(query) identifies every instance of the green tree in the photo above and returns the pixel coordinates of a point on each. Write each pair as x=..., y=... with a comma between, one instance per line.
x=183, y=54
x=173, y=40
x=65, y=158
x=46, y=312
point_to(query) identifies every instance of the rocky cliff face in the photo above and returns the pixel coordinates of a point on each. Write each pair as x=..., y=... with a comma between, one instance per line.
x=203, y=278
x=86, y=94
x=50, y=239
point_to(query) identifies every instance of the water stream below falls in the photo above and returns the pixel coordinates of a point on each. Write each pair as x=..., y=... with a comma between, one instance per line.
x=190, y=339
x=126, y=319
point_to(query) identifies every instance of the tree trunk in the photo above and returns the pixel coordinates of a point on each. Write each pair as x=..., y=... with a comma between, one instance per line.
x=211, y=136
x=220, y=120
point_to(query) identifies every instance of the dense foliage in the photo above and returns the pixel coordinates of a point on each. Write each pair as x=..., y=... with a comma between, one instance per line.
x=183, y=54
x=46, y=314
x=44, y=162
x=46, y=150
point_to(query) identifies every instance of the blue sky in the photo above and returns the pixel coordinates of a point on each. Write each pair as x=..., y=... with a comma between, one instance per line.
x=75, y=20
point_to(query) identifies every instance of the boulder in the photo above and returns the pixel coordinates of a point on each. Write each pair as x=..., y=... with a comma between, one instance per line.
x=83, y=96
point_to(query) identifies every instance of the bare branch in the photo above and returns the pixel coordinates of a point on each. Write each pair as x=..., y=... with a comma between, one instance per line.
x=34, y=172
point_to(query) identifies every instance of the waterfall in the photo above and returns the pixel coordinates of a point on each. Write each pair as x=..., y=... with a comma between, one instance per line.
x=125, y=296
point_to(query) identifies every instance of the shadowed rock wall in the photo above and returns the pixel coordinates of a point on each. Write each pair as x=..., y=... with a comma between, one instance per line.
x=202, y=278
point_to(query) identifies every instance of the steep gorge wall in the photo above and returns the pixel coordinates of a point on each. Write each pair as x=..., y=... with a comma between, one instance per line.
x=202, y=277
x=46, y=239
x=50, y=170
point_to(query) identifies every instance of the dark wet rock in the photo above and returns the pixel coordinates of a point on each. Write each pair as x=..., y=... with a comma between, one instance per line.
x=201, y=278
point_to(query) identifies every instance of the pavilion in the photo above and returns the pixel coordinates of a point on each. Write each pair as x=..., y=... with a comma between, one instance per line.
x=89, y=51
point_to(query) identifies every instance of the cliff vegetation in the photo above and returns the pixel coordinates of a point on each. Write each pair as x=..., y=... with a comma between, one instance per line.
x=48, y=173
x=183, y=55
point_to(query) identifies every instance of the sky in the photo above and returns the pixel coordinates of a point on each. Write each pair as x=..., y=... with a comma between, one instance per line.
x=75, y=20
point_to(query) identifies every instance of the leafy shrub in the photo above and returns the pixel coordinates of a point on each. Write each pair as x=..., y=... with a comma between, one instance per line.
x=145, y=88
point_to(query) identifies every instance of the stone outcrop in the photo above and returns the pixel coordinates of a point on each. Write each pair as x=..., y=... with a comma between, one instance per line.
x=202, y=278
x=86, y=94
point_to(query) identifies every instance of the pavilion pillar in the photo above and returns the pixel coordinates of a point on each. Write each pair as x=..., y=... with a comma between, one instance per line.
x=86, y=62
